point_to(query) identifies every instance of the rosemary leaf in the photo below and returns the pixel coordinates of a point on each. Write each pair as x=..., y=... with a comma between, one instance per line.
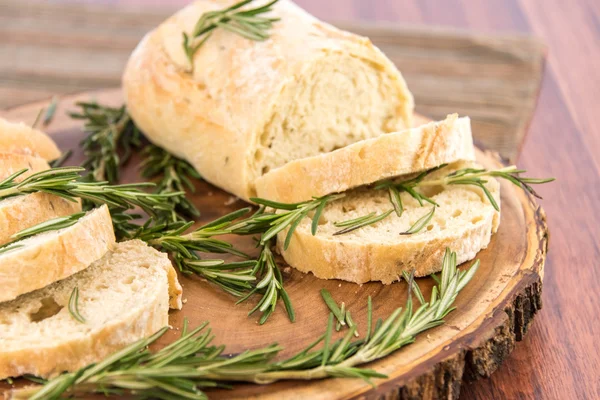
x=420, y=223
x=50, y=111
x=333, y=307
x=73, y=306
x=356, y=223
x=50, y=225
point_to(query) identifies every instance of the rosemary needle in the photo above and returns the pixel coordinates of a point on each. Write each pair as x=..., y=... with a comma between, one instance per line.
x=73, y=306
x=420, y=223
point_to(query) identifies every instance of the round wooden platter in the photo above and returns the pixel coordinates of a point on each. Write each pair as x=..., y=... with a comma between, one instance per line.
x=493, y=311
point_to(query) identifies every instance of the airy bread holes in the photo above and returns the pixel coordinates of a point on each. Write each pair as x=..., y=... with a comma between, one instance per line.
x=48, y=309
x=475, y=220
x=128, y=280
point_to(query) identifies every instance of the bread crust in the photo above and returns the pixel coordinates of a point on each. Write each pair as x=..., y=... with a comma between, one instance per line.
x=23, y=139
x=76, y=351
x=394, y=154
x=214, y=118
x=11, y=163
x=23, y=212
x=57, y=256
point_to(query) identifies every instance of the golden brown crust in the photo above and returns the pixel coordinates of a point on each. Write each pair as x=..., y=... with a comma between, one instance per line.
x=214, y=117
x=370, y=160
x=22, y=139
x=57, y=255
x=23, y=212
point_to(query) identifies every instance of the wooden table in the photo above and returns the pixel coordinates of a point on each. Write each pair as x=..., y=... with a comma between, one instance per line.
x=558, y=358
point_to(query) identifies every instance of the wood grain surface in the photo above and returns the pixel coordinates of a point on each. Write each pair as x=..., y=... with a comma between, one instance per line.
x=493, y=312
x=558, y=358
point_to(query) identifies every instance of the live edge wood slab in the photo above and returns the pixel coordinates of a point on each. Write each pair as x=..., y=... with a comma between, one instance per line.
x=493, y=312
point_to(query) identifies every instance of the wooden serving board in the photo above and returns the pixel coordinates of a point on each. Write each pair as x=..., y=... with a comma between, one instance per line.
x=493, y=311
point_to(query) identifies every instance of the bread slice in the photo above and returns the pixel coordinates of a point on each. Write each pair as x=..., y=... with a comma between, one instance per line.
x=21, y=138
x=13, y=162
x=123, y=297
x=42, y=259
x=22, y=212
x=412, y=150
x=464, y=222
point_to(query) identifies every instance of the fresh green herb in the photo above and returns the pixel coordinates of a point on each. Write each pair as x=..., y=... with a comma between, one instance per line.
x=420, y=223
x=111, y=138
x=466, y=176
x=73, y=306
x=248, y=23
x=351, y=324
x=9, y=247
x=289, y=217
x=186, y=366
x=270, y=286
x=50, y=225
x=175, y=176
x=353, y=224
x=48, y=115
x=50, y=111
x=333, y=307
x=66, y=182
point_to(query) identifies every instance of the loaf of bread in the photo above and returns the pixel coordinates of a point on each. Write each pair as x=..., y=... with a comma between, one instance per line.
x=463, y=222
x=123, y=297
x=45, y=258
x=21, y=138
x=410, y=151
x=246, y=107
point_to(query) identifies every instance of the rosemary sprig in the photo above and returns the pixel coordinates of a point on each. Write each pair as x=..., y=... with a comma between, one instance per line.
x=465, y=176
x=270, y=286
x=175, y=176
x=111, y=137
x=289, y=216
x=342, y=315
x=73, y=306
x=66, y=182
x=248, y=23
x=186, y=366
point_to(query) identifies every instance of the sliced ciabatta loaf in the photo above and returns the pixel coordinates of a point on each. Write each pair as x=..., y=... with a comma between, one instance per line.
x=21, y=138
x=245, y=107
x=123, y=297
x=42, y=259
x=22, y=212
x=14, y=162
x=394, y=154
x=464, y=222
